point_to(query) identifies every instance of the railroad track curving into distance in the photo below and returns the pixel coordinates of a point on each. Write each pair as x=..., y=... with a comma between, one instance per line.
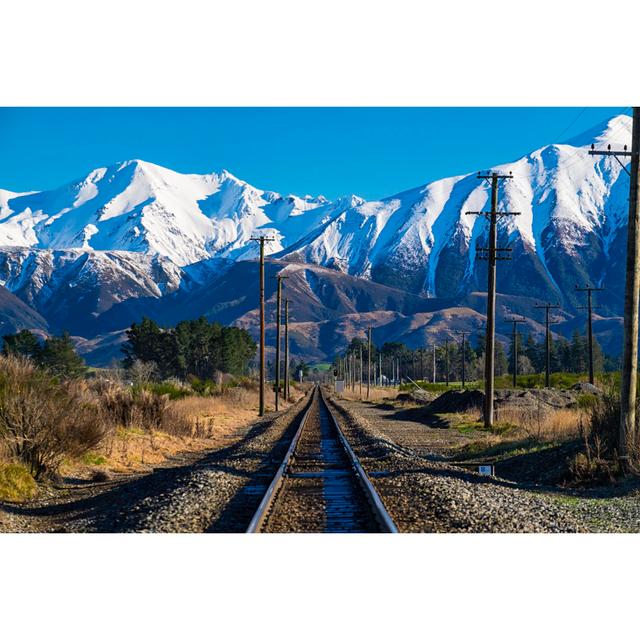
x=320, y=485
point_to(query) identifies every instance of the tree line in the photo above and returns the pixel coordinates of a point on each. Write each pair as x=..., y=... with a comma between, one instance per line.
x=571, y=356
x=56, y=354
x=192, y=348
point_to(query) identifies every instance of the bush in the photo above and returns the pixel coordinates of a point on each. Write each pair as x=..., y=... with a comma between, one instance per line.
x=16, y=483
x=134, y=408
x=599, y=460
x=42, y=421
x=172, y=390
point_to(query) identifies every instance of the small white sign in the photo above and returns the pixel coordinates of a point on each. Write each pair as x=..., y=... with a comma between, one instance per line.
x=485, y=469
x=339, y=386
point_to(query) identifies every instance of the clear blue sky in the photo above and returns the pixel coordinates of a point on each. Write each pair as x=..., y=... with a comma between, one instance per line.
x=373, y=152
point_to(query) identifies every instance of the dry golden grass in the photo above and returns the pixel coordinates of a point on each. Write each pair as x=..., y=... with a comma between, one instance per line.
x=546, y=426
x=377, y=394
x=189, y=425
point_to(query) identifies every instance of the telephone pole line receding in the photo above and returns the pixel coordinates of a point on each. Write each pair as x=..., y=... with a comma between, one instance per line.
x=492, y=254
x=547, y=306
x=590, y=309
x=628, y=385
x=278, y=341
x=261, y=241
x=514, y=347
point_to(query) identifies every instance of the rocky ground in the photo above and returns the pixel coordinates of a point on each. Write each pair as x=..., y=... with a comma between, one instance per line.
x=217, y=491
x=410, y=452
x=425, y=494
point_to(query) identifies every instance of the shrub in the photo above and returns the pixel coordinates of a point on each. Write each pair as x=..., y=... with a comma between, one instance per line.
x=42, y=421
x=16, y=483
x=171, y=389
x=134, y=408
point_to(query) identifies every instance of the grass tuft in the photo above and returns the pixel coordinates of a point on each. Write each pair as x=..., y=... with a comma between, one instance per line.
x=16, y=483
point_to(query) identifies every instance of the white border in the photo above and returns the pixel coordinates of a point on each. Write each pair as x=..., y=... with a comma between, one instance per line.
x=141, y=52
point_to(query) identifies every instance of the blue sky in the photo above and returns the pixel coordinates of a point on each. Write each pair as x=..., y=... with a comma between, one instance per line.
x=373, y=152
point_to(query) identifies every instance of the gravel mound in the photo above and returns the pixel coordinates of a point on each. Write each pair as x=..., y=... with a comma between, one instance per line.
x=586, y=387
x=457, y=401
x=418, y=396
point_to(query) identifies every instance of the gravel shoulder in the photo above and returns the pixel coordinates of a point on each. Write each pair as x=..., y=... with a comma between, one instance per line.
x=434, y=483
x=425, y=494
x=215, y=491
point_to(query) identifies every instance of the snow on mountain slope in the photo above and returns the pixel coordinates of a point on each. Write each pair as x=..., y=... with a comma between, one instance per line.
x=157, y=229
x=141, y=207
x=69, y=287
x=572, y=207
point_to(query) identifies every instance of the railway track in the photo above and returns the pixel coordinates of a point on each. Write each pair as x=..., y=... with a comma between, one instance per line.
x=320, y=485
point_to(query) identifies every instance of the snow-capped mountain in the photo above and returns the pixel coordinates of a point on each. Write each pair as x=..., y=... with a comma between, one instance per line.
x=141, y=207
x=571, y=225
x=139, y=232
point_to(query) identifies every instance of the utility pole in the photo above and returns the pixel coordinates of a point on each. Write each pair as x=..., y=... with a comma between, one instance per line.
x=590, y=309
x=286, y=349
x=491, y=254
x=361, y=371
x=628, y=386
x=514, y=347
x=278, y=318
x=369, y=365
x=434, y=363
x=380, y=369
x=446, y=359
x=261, y=241
x=464, y=334
x=547, y=306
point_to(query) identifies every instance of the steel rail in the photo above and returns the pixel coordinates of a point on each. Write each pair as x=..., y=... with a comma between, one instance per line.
x=380, y=513
x=379, y=510
x=267, y=500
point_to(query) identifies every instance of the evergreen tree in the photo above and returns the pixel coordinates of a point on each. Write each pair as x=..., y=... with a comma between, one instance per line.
x=60, y=358
x=23, y=343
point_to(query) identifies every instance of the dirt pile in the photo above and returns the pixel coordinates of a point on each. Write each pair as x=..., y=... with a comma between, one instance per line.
x=457, y=401
x=526, y=400
x=419, y=396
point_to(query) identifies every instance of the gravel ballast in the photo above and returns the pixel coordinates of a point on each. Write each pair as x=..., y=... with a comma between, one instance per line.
x=427, y=495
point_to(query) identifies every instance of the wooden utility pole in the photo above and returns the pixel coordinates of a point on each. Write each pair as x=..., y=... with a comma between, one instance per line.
x=369, y=364
x=464, y=334
x=278, y=341
x=490, y=254
x=514, y=347
x=434, y=363
x=261, y=241
x=446, y=360
x=286, y=349
x=361, y=371
x=547, y=306
x=628, y=387
x=589, y=309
